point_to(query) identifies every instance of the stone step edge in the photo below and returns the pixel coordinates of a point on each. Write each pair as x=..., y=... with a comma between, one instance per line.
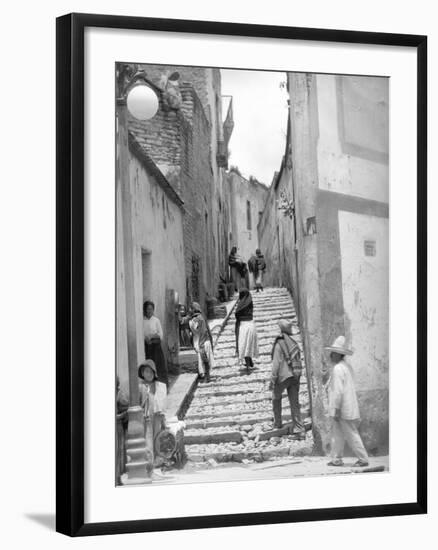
x=213, y=438
x=230, y=343
x=304, y=448
x=230, y=421
x=196, y=437
x=255, y=377
x=240, y=374
x=219, y=390
x=230, y=434
x=243, y=389
x=241, y=377
x=228, y=413
x=231, y=356
x=259, y=397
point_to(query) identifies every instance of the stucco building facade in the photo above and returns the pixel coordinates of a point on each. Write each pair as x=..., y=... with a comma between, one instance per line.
x=247, y=200
x=189, y=143
x=179, y=203
x=157, y=220
x=330, y=242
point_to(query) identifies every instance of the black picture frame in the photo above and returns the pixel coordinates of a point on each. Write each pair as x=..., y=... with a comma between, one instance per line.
x=70, y=273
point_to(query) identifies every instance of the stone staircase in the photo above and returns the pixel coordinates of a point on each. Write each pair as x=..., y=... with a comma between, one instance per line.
x=228, y=419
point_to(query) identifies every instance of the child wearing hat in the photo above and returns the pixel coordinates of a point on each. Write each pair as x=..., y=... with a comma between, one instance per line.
x=343, y=407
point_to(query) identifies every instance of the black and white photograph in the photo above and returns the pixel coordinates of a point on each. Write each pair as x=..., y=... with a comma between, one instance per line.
x=252, y=274
x=216, y=278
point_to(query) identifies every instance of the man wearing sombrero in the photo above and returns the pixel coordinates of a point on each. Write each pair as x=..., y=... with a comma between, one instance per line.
x=285, y=375
x=343, y=407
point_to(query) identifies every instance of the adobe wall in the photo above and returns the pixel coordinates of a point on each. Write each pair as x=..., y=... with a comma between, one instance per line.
x=340, y=175
x=353, y=235
x=179, y=143
x=183, y=143
x=158, y=247
x=244, y=235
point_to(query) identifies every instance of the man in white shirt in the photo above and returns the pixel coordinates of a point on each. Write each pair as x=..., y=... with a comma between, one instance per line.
x=343, y=407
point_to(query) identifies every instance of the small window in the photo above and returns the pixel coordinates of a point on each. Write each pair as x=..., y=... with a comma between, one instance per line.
x=248, y=215
x=370, y=248
x=311, y=226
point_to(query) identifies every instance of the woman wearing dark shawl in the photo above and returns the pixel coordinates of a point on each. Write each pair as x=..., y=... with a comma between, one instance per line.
x=237, y=268
x=202, y=341
x=246, y=333
x=153, y=337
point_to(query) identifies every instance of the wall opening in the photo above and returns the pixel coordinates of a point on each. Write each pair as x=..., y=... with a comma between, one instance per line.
x=248, y=215
x=207, y=250
x=195, y=279
x=146, y=264
x=370, y=248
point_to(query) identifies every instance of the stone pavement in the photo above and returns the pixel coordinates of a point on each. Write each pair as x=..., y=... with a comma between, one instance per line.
x=275, y=468
x=228, y=419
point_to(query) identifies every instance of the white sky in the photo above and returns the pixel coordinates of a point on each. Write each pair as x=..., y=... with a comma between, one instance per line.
x=260, y=120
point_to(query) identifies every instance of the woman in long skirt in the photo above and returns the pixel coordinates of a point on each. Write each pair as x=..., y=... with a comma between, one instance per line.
x=153, y=336
x=238, y=270
x=246, y=333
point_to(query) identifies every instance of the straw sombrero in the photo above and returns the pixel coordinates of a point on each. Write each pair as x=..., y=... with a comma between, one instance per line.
x=338, y=346
x=287, y=326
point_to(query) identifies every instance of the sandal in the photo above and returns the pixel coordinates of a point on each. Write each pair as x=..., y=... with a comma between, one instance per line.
x=335, y=462
x=273, y=427
x=361, y=463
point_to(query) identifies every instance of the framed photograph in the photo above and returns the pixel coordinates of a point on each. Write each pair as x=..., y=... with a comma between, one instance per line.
x=241, y=274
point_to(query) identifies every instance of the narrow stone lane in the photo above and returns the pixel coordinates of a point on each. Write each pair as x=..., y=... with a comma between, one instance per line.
x=228, y=419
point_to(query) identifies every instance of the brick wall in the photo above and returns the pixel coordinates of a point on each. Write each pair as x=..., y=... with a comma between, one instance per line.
x=194, y=76
x=179, y=142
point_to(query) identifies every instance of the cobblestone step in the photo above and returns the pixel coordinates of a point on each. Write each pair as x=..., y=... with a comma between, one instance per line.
x=273, y=303
x=239, y=452
x=228, y=367
x=231, y=352
x=225, y=362
x=236, y=408
x=212, y=435
x=232, y=387
x=239, y=399
x=239, y=371
x=237, y=433
x=229, y=341
x=230, y=418
x=265, y=319
x=238, y=420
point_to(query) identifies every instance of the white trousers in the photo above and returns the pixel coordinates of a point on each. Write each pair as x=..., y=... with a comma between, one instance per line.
x=346, y=431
